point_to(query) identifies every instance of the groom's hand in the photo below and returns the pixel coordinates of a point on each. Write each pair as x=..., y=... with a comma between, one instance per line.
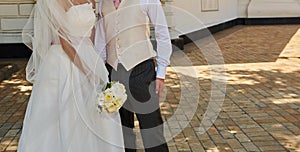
x=160, y=83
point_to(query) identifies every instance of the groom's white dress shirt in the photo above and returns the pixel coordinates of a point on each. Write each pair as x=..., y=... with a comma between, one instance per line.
x=153, y=10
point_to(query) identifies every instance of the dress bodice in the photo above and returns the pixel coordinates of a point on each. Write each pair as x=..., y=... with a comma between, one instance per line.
x=81, y=19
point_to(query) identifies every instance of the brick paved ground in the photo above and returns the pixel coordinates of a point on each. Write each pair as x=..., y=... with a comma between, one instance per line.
x=261, y=109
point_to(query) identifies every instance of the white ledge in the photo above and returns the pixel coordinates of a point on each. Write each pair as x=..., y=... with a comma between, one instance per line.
x=6, y=38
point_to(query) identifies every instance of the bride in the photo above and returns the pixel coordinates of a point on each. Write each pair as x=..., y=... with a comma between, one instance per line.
x=66, y=71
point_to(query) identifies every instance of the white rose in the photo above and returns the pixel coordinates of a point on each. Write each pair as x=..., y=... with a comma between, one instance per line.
x=101, y=98
x=118, y=90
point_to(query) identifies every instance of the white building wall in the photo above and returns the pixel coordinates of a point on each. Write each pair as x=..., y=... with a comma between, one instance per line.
x=183, y=16
x=273, y=8
x=13, y=16
x=243, y=8
x=192, y=15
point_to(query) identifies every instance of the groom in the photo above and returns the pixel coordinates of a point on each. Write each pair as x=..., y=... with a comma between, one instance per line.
x=129, y=56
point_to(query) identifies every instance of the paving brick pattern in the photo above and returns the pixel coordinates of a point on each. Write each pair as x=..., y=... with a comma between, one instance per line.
x=261, y=109
x=14, y=94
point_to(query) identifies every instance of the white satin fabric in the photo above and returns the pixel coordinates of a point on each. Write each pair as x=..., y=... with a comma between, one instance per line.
x=61, y=115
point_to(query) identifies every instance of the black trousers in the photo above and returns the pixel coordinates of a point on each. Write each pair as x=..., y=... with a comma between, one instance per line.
x=142, y=101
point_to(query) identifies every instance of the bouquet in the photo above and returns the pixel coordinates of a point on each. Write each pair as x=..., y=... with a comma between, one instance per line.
x=111, y=98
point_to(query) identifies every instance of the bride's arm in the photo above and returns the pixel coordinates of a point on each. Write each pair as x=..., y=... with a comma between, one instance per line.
x=71, y=52
x=68, y=48
x=93, y=35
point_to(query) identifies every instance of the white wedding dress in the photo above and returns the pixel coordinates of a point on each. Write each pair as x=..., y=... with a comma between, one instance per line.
x=61, y=115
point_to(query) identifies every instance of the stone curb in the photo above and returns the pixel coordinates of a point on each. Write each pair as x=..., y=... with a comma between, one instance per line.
x=7, y=71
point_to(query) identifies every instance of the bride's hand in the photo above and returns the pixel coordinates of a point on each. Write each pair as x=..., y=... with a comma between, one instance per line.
x=91, y=77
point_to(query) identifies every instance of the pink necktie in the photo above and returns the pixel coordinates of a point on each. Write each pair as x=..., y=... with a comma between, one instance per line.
x=117, y=3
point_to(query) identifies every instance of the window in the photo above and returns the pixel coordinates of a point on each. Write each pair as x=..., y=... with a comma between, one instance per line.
x=209, y=5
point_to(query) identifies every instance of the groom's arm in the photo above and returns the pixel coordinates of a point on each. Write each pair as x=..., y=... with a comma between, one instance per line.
x=92, y=37
x=100, y=38
x=162, y=36
x=164, y=46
